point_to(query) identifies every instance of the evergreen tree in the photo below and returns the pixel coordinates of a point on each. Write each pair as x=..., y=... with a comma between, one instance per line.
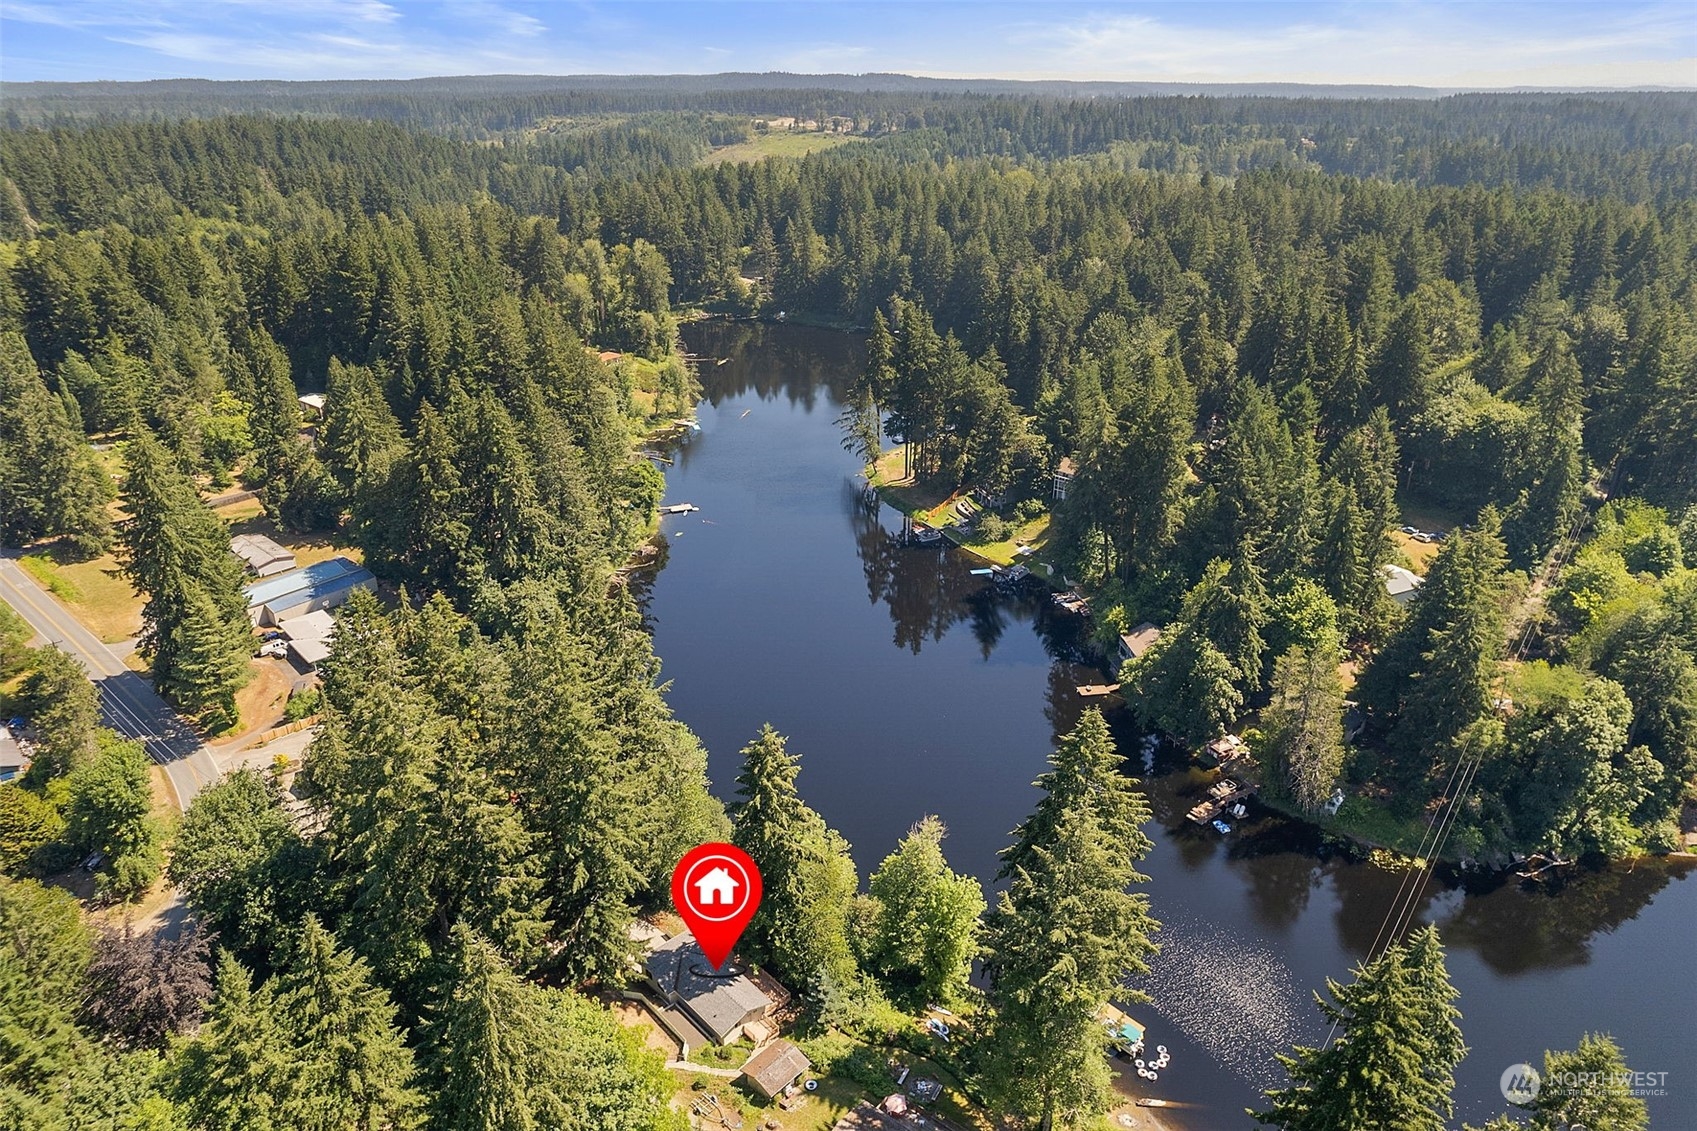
x=233, y=1075
x=348, y=1063
x=925, y=933
x=62, y=704
x=51, y=485
x=503, y=1055
x=1435, y=677
x=1602, y=1102
x=807, y=876
x=1064, y=936
x=195, y=629
x=1391, y=1065
x=1303, y=723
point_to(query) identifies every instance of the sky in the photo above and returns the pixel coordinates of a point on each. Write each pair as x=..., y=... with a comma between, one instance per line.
x=1480, y=44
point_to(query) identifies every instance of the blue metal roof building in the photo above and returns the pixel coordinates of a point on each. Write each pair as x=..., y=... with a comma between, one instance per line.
x=323, y=585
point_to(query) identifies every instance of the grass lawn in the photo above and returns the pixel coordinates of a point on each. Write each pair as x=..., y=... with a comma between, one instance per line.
x=96, y=593
x=1419, y=554
x=781, y=143
x=248, y=517
x=1362, y=819
x=723, y=1056
x=837, y=1091
x=935, y=507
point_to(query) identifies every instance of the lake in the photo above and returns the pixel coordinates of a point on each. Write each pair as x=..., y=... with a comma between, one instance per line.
x=908, y=686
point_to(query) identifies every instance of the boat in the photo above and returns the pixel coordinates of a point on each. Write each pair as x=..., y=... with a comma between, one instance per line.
x=926, y=536
x=1221, y=827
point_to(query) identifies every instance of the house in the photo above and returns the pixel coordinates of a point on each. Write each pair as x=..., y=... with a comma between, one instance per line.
x=261, y=555
x=720, y=1003
x=775, y=1067
x=309, y=637
x=1223, y=750
x=1138, y=641
x=1401, y=583
x=312, y=405
x=1065, y=473
x=13, y=760
x=608, y=355
x=322, y=585
x=717, y=887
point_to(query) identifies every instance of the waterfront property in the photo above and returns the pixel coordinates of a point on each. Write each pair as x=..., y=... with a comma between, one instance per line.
x=723, y=1004
x=1138, y=641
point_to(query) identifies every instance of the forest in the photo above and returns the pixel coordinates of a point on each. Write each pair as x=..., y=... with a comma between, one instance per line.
x=1260, y=329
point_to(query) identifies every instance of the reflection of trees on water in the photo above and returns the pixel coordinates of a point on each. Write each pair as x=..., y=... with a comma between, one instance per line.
x=915, y=583
x=799, y=363
x=1279, y=887
x=1516, y=926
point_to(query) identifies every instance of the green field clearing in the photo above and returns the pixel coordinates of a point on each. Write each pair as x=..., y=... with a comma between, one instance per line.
x=785, y=144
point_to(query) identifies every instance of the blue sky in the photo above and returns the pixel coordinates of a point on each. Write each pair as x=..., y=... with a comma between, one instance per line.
x=1480, y=44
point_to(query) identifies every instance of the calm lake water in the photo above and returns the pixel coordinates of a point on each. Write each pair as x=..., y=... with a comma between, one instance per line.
x=909, y=687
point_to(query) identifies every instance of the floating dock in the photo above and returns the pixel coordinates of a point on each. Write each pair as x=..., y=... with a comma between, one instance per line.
x=679, y=508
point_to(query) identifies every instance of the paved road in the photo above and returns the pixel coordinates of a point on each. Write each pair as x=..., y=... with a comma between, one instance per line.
x=128, y=703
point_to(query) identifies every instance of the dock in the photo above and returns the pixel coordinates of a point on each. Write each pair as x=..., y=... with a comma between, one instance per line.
x=679, y=508
x=1073, y=602
x=1097, y=690
x=1222, y=795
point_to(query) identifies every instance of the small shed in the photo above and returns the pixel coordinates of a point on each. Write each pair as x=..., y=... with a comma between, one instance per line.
x=312, y=405
x=775, y=1067
x=262, y=556
x=1065, y=472
x=1138, y=641
x=1402, y=584
x=309, y=637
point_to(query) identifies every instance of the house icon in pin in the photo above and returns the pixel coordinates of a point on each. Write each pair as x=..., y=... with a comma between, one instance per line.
x=716, y=886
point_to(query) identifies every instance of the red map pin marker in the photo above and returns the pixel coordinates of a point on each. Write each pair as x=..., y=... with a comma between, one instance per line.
x=716, y=890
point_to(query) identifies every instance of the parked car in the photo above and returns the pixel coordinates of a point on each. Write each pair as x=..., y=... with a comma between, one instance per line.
x=276, y=649
x=1422, y=536
x=1411, y=530
x=273, y=634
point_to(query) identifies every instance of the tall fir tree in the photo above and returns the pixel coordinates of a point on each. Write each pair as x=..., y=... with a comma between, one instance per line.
x=1391, y=1065
x=195, y=629
x=1066, y=933
x=1303, y=723
x=807, y=876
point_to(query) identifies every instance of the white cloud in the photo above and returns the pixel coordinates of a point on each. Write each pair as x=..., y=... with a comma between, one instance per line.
x=1422, y=44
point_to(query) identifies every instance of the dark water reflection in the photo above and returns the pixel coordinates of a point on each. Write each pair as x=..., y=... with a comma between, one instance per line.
x=911, y=687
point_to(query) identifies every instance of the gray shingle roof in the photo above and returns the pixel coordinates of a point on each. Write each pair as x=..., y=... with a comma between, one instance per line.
x=721, y=1003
